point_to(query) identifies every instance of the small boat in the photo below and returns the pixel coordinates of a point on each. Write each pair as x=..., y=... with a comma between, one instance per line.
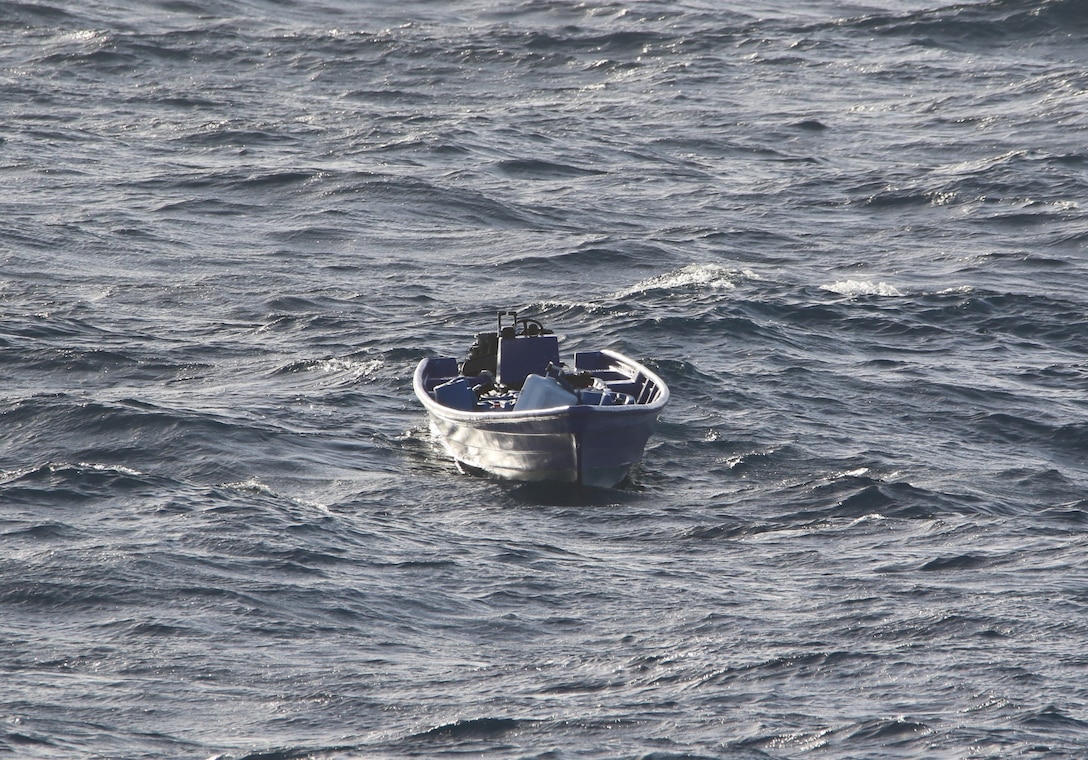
x=512, y=410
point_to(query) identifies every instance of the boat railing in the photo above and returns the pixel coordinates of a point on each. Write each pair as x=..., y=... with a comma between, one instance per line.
x=649, y=390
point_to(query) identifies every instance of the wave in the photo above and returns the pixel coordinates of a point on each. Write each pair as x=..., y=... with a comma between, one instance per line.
x=1014, y=187
x=853, y=495
x=348, y=369
x=63, y=483
x=543, y=170
x=854, y=288
x=697, y=277
x=131, y=433
x=303, y=752
x=1066, y=440
x=19, y=15
x=475, y=728
x=973, y=26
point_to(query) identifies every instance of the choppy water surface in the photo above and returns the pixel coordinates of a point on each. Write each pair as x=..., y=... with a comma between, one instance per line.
x=850, y=236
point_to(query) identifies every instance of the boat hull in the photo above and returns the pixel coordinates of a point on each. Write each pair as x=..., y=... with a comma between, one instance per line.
x=590, y=445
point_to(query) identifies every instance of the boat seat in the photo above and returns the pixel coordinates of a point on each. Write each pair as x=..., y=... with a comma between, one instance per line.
x=439, y=370
x=456, y=394
x=521, y=357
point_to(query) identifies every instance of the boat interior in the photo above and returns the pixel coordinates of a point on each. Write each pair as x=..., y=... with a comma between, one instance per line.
x=524, y=373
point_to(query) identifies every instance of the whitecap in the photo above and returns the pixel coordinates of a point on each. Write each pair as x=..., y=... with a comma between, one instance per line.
x=692, y=276
x=355, y=368
x=252, y=486
x=862, y=288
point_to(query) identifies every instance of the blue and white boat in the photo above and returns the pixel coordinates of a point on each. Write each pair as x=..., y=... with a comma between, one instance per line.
x=512, y=410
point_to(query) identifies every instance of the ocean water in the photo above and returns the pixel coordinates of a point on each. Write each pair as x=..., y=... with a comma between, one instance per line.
x=849, y=235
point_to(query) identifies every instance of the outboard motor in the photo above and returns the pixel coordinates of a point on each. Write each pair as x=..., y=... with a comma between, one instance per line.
x=483, y=355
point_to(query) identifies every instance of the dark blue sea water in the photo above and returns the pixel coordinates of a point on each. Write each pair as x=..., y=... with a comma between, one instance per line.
x=849, y=235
